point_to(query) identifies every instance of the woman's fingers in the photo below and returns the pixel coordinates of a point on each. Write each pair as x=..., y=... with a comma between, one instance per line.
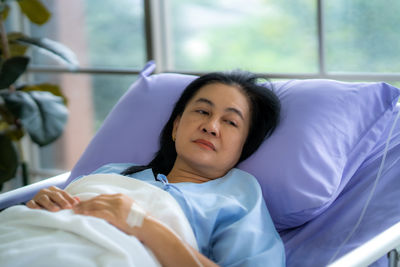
x=62, y=199
x=52, y=199
x=32, y=204
x=47, y=203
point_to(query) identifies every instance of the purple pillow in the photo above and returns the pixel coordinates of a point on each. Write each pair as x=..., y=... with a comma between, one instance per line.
x=327, y=129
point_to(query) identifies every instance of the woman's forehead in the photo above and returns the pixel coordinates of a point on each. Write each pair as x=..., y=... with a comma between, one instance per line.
x=223, y=95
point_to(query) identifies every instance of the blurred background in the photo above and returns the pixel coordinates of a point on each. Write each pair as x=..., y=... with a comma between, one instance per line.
x=354, y=40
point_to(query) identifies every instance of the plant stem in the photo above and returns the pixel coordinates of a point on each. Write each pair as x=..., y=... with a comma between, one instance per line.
x=24, y=164
x=25, y=174
x=20, y=150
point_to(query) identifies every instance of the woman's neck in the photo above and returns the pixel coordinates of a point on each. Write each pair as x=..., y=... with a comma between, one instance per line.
x=192, y=172
x=183, y=173
x=178, y=175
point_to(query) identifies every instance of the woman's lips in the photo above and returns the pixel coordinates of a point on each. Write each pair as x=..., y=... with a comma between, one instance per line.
x=206, y=144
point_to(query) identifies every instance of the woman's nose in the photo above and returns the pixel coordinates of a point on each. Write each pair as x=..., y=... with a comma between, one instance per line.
x=211, y=127
x=211, y=132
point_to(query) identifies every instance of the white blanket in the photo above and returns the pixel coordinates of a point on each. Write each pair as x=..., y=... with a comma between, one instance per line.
x=41, y=238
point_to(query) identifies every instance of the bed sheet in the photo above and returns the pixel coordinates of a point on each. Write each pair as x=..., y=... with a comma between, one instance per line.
x=30, y=237
x=314, y=243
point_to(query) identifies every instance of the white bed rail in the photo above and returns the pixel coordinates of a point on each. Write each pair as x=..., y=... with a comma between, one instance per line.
x=27, y=192
x=372, y=250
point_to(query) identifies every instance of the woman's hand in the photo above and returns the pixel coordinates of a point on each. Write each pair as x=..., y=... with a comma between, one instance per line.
x=52, y=199
x=112, y=208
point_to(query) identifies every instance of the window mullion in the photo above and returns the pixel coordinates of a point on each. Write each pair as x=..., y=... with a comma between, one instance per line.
x=156, y=33
x=321, y=38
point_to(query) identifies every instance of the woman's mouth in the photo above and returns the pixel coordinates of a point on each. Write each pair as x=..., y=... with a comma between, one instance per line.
x=205, y=144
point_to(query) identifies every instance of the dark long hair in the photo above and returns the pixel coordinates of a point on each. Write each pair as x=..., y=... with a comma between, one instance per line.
x=264, y=109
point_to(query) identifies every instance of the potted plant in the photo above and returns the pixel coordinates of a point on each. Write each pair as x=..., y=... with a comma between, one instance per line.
x=36, y=109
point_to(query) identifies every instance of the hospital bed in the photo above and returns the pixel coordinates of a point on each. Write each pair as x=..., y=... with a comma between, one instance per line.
x=319, y=171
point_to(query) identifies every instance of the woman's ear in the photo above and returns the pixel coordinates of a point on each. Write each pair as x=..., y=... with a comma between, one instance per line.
x=175, y=127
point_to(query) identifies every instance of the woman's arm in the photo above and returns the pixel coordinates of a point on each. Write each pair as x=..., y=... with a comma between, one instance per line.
x=169, y=249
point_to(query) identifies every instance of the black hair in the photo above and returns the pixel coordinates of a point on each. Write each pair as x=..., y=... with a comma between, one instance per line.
x=264, y=110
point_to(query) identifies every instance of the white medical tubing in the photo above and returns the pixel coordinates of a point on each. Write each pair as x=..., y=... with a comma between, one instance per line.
x=136, y=216
x=378, y=176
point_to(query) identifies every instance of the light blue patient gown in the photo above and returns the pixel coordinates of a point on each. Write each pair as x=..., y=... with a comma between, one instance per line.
x=228, y=216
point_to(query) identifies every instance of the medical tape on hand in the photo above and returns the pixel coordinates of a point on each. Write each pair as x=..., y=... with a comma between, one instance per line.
x=136, y=215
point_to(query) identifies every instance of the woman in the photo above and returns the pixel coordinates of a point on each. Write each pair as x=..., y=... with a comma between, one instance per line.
x=219, y=120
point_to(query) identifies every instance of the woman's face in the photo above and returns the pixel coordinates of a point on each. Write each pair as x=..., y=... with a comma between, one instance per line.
x=210, y=134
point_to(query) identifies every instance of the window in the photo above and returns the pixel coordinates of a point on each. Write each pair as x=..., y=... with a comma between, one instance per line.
x=284, y=39
x=103, y=34
x=362, y=36
x=263, y=36
x=110, y=52
x=348, y=40
x=90, y=98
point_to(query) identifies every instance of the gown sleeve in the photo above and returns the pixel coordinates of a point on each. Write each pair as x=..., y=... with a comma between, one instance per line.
x=244, y=234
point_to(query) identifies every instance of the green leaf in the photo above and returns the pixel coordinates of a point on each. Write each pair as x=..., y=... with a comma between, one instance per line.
x=13, y=36
x=15, y=134
x=42, y=114
x=18, y=103
x=8, y=159
x=55, y=49
x=16, y=49
x=5, y=115
x=45, y=87
x=35, y=11
x=12, y=131
x=11, y=69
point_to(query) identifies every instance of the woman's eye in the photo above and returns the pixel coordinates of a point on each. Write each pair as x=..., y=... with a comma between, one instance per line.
x=231, y=123
x=203, y=112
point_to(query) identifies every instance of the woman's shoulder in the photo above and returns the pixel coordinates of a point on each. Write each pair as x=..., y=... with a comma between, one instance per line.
x=237, y=186
x=241, y=173
x=242, y=179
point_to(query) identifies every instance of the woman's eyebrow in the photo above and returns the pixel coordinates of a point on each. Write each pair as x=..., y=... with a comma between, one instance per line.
x=205, y=100
x=234, y=110
x=210, y=103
